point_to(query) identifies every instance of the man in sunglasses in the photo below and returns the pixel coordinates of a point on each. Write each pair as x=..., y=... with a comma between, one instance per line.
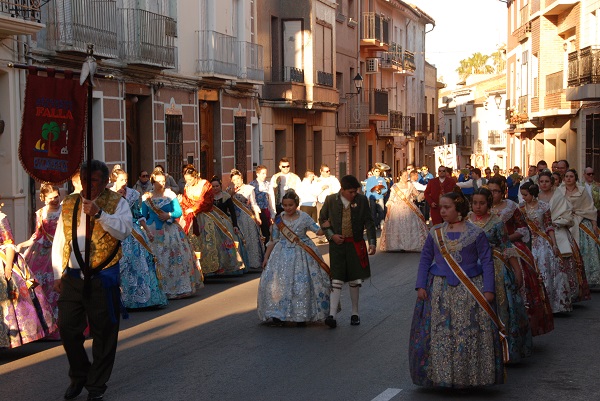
x=143, y=184
x=281, y=183
x=328, y=185
x=592, y=187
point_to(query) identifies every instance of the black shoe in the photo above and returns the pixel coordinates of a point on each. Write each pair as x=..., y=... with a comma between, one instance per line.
x=73, y=390
x=331, y=322
x=95, y=397
x=354, y=320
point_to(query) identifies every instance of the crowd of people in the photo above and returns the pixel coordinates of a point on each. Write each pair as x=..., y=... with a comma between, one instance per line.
x=500, y=255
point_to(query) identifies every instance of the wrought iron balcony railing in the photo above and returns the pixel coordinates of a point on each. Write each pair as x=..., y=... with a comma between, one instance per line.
x=217, y=54
x=393, y=57
x=409, y=61
x=554, y=83
x=496, y=138
x=378, y=102
x=324, y=78
x=28, y=10
x=357, y=116
x=584, y=66
x=147, y=38
x=72, y=24
x=293, y=74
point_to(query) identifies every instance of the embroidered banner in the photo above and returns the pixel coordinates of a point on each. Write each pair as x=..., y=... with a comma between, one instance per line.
x=53, y=129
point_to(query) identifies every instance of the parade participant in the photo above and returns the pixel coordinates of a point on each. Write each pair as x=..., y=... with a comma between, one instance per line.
x=593, y=189
x=143, y=183
x=541, y=166
x=513, y=182
x=534, y=292
x=496, y=170
x=207, y=227
x=475, y=182
x=329, y=185
x=223, y=201
x=436, y=187
x=561, y=167
x=585, y=228
x=90, y=293
x=465, y=176
x=308, y=191
x=344, y=217
x=421, y=202
x=25, y=314
x=38, y=255
x=281, y=182
x=425, y=176
x=403, y=217
x=557, y=179
x=454, y=336
x=175, y=260
x=531, y=177
x=295, y=284
x=262, y=193
x=544, y=249
x=554, y=166
x=561, y=212
x=509, y=277
x=171, y=184
x=376, y=187
x=488, y=173
x=248, y=219
x=139, y=283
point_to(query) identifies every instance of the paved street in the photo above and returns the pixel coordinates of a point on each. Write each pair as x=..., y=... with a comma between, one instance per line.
x=212, y=347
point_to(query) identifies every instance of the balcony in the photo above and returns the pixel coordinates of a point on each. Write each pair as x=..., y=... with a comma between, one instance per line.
x=72, y=24
x=557, y=7
x=375, y=32
x=464, y=141
x=497, y=139
x=392, y=59
x=378, y=104
x=252, y=70
x=217, y=55
x=19, y=17
x=147, y=38
x=324, y=78
x=523, y=104
x=584, y=74
x=408, y=62
x=357, y=117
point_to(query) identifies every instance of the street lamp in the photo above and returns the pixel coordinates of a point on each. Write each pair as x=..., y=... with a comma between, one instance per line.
x=358, y=84
x=498, y=100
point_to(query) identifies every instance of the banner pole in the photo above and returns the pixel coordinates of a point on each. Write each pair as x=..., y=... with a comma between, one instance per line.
x=89, y=66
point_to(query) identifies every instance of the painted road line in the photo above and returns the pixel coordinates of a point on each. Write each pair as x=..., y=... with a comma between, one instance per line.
x=387, y=394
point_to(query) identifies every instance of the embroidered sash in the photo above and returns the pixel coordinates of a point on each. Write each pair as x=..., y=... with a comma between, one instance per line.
x=579, y=262
x=25, y=274
x=294, y=239
x=410, y=204
x=142, y=241
x=218, y=222
x=534, y=227
x=475, y=292
x=589, y=232
x=245, y=209
x=496, y=253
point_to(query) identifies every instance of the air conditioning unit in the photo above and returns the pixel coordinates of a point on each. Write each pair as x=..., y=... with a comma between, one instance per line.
x=372, y=65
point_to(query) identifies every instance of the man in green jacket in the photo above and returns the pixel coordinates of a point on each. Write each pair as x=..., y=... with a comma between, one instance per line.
x=344, y=217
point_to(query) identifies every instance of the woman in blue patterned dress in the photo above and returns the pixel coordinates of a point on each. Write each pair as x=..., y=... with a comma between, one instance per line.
x=509, y=277
x=293, y=287
x=175, y=260
x=139, y=284
x=453, y=341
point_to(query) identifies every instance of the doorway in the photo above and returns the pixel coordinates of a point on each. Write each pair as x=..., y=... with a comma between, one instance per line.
x=300, y=149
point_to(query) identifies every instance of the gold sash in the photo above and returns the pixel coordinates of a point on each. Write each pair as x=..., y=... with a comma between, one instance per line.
x=410, y=204
x=294, y=239
x=479, y=297
x=218, y=222
x=244, y=209
x=534, y=227
x=589, y=232
x=142, y=241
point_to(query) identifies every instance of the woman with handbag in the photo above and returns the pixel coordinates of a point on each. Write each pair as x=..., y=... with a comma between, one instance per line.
x=455, y=334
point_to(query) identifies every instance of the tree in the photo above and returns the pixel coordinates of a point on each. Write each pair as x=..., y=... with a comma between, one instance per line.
x=476, y=64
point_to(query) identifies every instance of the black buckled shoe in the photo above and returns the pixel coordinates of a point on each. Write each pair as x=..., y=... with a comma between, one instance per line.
x=331, y=322
x=73, y=390
x=354, y=320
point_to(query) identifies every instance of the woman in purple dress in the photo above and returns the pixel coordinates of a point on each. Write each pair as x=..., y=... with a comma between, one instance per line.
x=25, y=315
x=453, y=340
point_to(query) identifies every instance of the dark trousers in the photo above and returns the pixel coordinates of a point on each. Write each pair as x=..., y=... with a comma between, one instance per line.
x=74, y=313
x=377, y=211
x=265, y=225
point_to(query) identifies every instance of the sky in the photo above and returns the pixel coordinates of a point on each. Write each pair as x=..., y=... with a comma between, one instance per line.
x=462, y=27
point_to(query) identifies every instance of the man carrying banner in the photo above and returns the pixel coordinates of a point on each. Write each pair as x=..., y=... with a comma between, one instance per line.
x=343, y=218
x=90, y=294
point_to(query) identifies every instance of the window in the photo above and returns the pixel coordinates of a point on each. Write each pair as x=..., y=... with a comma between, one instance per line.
x=240, y=144
x=592, y=141
x=174, y=145
x=323, y=42
x=293, y=57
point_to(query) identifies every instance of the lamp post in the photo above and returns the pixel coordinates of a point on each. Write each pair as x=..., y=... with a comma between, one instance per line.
x=358, y=84
x=498, y=100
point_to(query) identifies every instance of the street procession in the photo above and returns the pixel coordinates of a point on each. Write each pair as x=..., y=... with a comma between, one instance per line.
x=315, y=200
